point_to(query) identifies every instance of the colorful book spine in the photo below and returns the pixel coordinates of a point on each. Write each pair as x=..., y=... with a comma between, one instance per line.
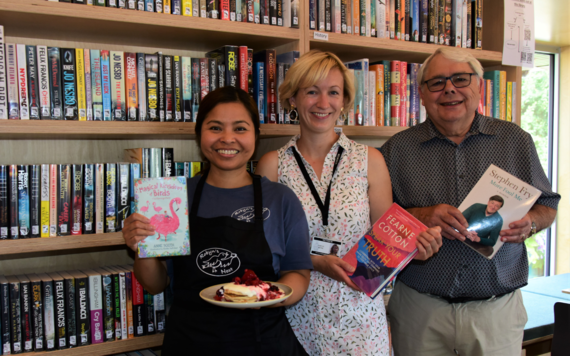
x=490, y=99
x=13, y=201
x=151, y=66
x=160, y=88
x=63, y=199
x=33, y=84
x=495, y=76
x=187, y=88
x=259, y=89
x=403, y=94
x=204, y=78
x=23, y=82
x=88, y=84
x=99, y=198
x=379, y=93
x=482, y=101
x=107, y=304
x=118, y=101
x=196, y=92
x=4, y=204
x=3, y=87
x=69, y=80
x=477, y=19
x=110, y=197
x=139, y=308
x=77, y=199
x=131, y=86
x=503, y=95
x=96, y=84
x=187, y=7
x=35, y=199
x=81, y=91
x=26, y=313
x=129, y=295
x=24, y=200
x=177, y=83
x=89, y=199
x=95, y=306
x=168, y=89
x=53, y=200
x=135, y=173
x=12, y=82
x=43, y=82
x=509, y=116
x=395, y=93
x=106, y=85
x=514, y=103
x=141, y=87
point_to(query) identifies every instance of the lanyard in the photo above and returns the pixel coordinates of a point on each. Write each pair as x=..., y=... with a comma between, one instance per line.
x=323, y=207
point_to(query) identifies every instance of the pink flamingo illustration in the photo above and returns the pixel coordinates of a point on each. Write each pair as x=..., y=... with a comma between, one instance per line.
x=165, y=224
x=158, y=209
x=144, y=209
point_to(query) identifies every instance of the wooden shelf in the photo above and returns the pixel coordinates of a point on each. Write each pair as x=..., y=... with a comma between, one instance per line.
x=109, y=348
x=60, y=243
x=116, y=130
x=350, y=47
x=73, y=22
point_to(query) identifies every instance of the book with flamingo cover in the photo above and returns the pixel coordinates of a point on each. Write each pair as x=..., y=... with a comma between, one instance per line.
x=384, y=250
x=165, y=202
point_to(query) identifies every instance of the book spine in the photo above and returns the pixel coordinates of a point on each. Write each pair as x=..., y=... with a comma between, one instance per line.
x=403, y=94
x=243, y=68
x=448, y=16
x=271, y=87
x=149, y=305
x=43, y=83
x=4, y=204
x=123, y=300
x=24, y=200
x=15, y=318
x=187, y=7
x=26, y=314
x=3, y=87
x=250, y=71
x=89, y=199
x=158, y=7
x=88, y=85
x=141, y=87
x=96, y=308
x=106, y=85
x=509, y=101
x=13, y=198
x=149, y=5
x=49, y=313
x=155, y=162
x=203, y=9
x=81, y=91
x=414, y=96
x=68, y=75
x=166, y=7
x=53, y=199
x=108, y=315
x=123, y=204
x=35, y=199
x=139, y=308
x=151, y=66
x=168, y=89
x=77, y=199
x=96, y=84
x=187, y=89
x=12, y=82
x=118, y=105
x=70, y=311
x=379, y=86
x=433, y=19
x=99, y=198
x=280, y=78
x=313, y=14
x=167, y=162
x=145, y=165
x=225, y=9
x=407, y=17
x=33, y=85
x=116, y=299
x=161, y=94
x=514, y=102
x=503, y=95
x=395, y=93
x=273, y=12
x=176, y=7
x=196, y=92
x=55, y=83
x=23, y=82
x=415, y=30
x=110, y=197
x=441, y=22
x=470, y=23
x=82, y=303
x=5, y=317
x=159, y=312
x=177, y=83
x=489, y=98
x=63, y=199
x=371, y=120
x=131, y=88
x=213, y=78
x=59, y=304
x=456, y=20
x=129, y=295
x=477, y=12
x=37, y=315
x=259, y=90
x=204, y=78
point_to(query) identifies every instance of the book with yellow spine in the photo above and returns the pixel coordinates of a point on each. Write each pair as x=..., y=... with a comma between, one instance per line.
x=81, y=102
x=509, y=101
x=166, y=6
x=503, y=95
x=44, y=205
x=187, y=7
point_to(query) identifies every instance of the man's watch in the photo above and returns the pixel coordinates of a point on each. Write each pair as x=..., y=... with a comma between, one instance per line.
x=532, y=229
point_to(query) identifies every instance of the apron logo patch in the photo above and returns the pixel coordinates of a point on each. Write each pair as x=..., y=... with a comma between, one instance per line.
x=247, y=214
x=218, y=262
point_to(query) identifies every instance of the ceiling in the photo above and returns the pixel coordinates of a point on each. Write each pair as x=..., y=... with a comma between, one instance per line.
x=552, y=22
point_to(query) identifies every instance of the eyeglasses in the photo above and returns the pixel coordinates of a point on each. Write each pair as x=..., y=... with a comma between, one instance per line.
x=460, y=80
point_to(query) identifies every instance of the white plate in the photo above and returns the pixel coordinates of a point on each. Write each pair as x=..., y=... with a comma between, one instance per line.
x=209, y=293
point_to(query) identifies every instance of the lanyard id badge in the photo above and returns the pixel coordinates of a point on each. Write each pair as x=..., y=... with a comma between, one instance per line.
x=322, y=246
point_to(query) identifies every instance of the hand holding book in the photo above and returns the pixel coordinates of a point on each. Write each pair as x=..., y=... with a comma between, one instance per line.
x=137, y=227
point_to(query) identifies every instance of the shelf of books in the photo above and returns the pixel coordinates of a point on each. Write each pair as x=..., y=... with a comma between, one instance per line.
x=73, y=22
x=61, y=243
x=109, y=348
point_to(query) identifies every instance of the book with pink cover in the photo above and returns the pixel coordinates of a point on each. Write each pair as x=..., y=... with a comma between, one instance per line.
x=165, y=202
x=384, y=250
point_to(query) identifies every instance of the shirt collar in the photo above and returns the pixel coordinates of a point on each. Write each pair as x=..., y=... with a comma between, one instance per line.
x=342, y=141
x=481, y=125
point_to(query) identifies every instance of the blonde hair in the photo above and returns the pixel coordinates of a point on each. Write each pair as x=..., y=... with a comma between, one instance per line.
x=311, y=68
x=455, y=56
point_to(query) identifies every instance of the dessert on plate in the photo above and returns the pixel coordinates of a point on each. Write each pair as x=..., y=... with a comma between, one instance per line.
x=248, y=289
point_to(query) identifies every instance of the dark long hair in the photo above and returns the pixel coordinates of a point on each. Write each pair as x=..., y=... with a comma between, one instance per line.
x=225, y=95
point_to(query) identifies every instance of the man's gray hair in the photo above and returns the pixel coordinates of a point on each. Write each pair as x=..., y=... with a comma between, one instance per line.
x=455, y=55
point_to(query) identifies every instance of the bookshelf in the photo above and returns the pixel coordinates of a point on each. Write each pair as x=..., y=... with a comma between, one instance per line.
x=48, y=23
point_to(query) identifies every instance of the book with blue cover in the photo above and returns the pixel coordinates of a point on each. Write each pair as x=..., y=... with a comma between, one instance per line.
x=165, y=202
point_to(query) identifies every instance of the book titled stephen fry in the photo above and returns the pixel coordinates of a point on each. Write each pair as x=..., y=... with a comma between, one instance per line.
x=384, y=250
x=164, y=201
x=497, y=200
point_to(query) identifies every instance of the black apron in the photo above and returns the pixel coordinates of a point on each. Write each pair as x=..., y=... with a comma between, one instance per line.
x=222, y=248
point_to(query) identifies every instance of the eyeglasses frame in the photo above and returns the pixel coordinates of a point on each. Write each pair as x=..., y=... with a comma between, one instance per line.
x=446, y=79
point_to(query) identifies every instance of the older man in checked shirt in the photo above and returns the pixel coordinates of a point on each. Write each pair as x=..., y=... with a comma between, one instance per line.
x=458, y=302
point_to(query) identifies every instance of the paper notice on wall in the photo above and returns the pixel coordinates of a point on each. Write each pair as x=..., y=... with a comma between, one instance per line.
x=518, y=43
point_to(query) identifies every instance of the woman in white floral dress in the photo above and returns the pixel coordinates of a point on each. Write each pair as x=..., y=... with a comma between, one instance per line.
x=334, y=317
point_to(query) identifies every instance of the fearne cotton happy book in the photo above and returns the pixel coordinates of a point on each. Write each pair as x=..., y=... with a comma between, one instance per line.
x=498, y=199
x=165, y=202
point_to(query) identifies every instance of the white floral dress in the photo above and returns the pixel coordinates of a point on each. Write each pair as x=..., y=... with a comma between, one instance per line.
x=332, y=319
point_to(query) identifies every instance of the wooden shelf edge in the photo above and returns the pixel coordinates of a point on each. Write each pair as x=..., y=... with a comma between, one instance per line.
x=142, y=18
x=108, y=348
x=60, y=243
x=272, y=130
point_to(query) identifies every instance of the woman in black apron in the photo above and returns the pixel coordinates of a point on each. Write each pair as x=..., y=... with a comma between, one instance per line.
x=226, y=131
